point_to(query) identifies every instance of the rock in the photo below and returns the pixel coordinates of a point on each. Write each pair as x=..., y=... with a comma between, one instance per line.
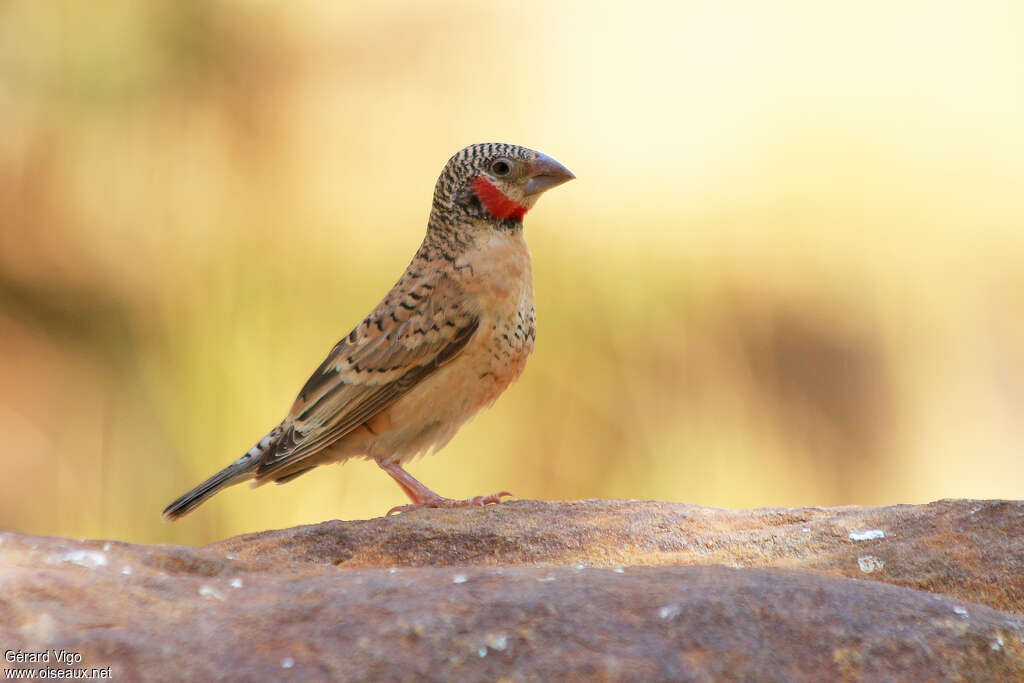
x=533, y=590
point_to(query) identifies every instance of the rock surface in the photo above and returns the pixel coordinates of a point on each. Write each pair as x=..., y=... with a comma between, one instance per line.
x=532, y=590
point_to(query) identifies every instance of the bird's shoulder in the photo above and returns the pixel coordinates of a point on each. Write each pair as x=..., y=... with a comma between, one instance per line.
x=424, y=317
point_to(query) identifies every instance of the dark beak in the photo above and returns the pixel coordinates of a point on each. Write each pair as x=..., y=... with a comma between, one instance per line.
x=546, y=173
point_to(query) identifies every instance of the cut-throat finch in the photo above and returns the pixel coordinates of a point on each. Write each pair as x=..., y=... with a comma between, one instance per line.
x=451, y=335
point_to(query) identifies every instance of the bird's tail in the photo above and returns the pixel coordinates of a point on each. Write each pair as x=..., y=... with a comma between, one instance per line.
x=240, y=470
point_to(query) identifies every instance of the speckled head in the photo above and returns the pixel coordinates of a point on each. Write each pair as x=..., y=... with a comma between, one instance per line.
x=495, y=182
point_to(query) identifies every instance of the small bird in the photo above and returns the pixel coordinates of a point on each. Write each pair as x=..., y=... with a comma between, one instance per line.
x=451, y=335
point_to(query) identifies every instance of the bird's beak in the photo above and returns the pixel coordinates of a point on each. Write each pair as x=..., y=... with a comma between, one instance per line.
x=544, y=174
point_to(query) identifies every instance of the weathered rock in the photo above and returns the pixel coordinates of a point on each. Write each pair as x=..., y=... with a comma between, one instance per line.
x=973, y=550
x=530, y=590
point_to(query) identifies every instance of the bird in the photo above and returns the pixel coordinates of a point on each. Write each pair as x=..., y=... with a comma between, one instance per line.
x=451, y=335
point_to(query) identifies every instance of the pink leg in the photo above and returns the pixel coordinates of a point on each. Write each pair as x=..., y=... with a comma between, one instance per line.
x=422, y=497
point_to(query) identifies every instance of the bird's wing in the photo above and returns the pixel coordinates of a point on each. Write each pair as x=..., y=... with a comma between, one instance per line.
x=421, y=325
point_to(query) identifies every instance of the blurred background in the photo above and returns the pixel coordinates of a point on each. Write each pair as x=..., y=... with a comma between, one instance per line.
x=791, y=270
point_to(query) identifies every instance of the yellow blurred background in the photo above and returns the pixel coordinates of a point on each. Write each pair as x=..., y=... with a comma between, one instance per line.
x=791, y=270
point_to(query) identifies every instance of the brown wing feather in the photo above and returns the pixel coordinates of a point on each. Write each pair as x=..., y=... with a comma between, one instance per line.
x=418, y=327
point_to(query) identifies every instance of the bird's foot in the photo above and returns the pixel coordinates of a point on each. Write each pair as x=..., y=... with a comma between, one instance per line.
x=437, y=501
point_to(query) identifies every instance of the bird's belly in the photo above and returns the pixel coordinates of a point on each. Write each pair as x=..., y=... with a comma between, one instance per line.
x=432, y=412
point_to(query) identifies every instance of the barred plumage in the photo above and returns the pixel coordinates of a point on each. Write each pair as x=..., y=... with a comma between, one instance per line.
x=449, y=337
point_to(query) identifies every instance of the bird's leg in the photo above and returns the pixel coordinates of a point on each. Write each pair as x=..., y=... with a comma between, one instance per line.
x=422, y=497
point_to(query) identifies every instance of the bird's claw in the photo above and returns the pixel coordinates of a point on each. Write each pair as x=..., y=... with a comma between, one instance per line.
x=442, y=502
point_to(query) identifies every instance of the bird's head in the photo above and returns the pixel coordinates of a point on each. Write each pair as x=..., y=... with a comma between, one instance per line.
x=496, y=183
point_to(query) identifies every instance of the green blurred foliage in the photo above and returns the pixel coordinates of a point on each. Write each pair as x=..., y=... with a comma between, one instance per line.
x=791, y=270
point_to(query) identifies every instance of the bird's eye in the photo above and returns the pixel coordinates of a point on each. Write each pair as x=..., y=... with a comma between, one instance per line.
x=501, y=167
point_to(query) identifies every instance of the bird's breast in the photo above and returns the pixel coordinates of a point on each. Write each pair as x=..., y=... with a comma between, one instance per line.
x=497, y=276
x=497, y=286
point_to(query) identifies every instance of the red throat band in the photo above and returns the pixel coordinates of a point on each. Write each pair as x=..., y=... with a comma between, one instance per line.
x=495, y=201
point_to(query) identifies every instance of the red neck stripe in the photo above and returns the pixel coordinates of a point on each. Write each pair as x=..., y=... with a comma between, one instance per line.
x=495, y=201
